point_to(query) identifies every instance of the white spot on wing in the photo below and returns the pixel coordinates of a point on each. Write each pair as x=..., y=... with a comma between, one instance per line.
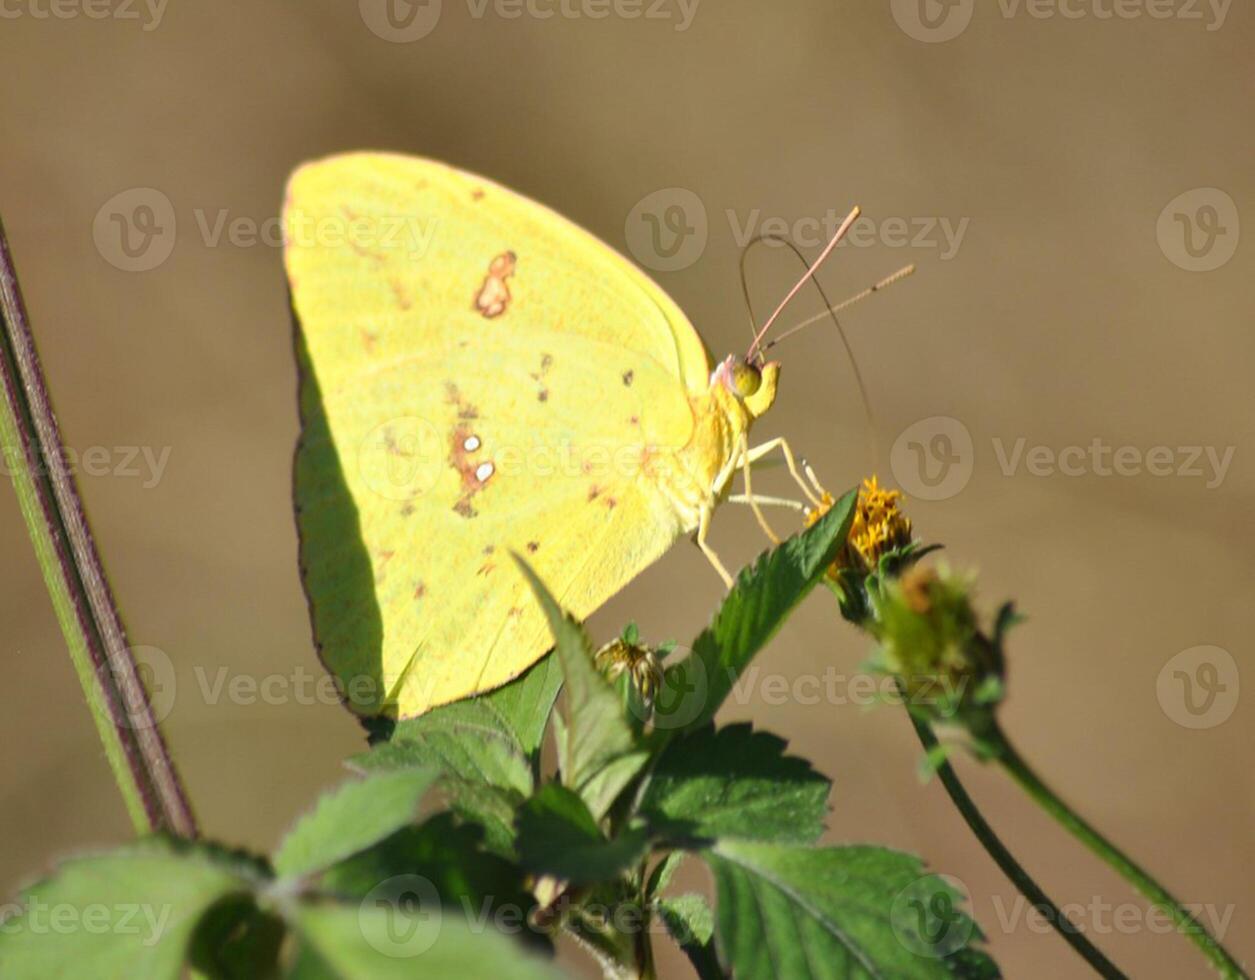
x=483, y=471
x=471, y=444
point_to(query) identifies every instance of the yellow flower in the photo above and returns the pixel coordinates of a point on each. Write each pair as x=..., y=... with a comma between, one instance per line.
x=879, y=527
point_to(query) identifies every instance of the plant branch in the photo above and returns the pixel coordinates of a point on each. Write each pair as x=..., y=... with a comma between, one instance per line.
x=75, y=580
x=1006, y=860
x=1070, y=820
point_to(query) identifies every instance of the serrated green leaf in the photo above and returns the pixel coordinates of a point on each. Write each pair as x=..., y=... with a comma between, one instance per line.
x=837, y=912
x=132, y=912
x=691, y=924
x=596, y=733
x=558, y=836
x=763, y=596
x=734, y=782
x=446, y=854
x=351, y=818
x=488, y=807
x=466, y=739
x=493, y=739
x=391, y=942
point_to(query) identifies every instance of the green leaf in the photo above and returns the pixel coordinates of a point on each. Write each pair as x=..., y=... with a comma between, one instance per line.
x=734, y=782
x=596, y=733
x=238, y=941
x=489, y=808
x=691, y=924
x=128, y=913
x=448, y=857
x=524, y=705
x=352, y=818
x=493, y=738
x=558, y=836
x=604, y=786
x=395, y=942
x=799, y=912
x=468, y=739
x=663, y=872
x=763, y=596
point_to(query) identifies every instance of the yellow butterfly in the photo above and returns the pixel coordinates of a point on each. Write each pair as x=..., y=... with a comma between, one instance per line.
x=479, y=376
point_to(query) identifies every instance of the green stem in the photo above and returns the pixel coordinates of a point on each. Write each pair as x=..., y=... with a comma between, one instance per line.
x=75, y=579
x=1006, y=860
x=1070, y=820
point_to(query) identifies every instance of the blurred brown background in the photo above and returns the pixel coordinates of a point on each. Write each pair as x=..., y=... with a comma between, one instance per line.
x=1083, y=301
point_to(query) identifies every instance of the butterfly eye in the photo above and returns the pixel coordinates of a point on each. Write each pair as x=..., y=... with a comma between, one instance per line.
x=746, y=379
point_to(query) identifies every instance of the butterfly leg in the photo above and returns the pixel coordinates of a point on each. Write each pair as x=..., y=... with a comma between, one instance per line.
x=703, y=528
x=749, y=495
x=741, y=498
x=758, y=452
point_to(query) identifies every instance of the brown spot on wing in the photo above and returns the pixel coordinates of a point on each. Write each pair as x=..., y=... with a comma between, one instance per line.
x=493, y=297
x=546, y=362
x=533, y=546
x=477, y=194
x=460, y=460
x=400, y=293
x=453, y=396
x=628, y=377
x=382, y=571
x=420, y=590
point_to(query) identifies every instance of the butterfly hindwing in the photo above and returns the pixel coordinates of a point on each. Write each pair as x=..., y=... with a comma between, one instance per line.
x=492, y=380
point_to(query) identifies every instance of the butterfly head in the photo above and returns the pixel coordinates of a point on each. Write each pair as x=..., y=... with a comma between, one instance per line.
x=751, y=385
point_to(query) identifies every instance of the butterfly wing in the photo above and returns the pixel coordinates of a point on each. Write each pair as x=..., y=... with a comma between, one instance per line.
x=478, y=377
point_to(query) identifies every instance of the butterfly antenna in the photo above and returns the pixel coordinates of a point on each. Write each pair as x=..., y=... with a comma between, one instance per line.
x=844, y=305
x=810, y=271
x=829, y=310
